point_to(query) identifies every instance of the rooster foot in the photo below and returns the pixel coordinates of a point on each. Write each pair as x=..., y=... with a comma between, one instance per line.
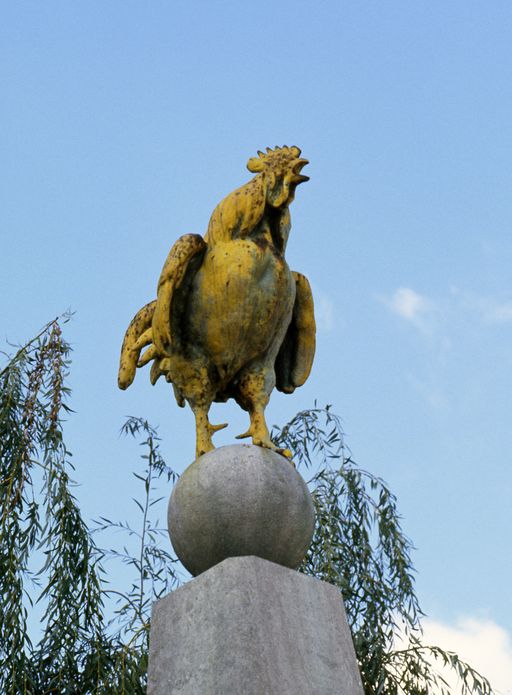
x=266, y=443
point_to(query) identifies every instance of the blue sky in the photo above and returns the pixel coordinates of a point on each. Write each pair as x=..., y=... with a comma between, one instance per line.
x=124, y=123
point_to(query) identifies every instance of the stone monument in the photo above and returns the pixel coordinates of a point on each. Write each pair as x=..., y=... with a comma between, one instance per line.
x=231, y=320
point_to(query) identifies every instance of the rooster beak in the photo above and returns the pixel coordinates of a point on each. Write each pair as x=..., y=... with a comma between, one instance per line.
x=297, y=176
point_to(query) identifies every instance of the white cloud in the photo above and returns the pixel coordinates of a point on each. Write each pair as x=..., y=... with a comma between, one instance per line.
x=408, y=303
x=416, y=308
x=489, y=309
x=502, y=312
x=483, y=644
x=324, y=309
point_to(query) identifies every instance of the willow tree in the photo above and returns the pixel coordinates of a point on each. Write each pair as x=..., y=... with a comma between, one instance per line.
x=91, y=637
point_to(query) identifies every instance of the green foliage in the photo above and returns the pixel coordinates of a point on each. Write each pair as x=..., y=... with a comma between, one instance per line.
x=153, y=567
x=41, y=521
x=359, y=546
x=50, y=560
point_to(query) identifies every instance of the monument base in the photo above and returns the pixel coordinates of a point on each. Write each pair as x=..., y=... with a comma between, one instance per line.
x=248, y=626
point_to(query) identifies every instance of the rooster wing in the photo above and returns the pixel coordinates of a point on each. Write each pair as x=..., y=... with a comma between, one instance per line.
x=295, y=357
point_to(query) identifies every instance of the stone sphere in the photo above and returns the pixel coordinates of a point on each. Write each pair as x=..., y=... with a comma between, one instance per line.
x=240, y=500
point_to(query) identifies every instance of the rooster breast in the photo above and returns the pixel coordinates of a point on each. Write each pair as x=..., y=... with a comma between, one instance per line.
x=240, y=305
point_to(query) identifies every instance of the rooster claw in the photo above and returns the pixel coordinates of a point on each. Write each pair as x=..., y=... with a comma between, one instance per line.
x=215, y=428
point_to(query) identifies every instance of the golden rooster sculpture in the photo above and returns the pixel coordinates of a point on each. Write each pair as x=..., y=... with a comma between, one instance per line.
x=230, y=319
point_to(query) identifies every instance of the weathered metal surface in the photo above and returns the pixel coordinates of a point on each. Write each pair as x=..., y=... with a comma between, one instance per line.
x=230, y=319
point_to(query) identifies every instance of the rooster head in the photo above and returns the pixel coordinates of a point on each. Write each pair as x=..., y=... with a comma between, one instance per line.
x=280, y=169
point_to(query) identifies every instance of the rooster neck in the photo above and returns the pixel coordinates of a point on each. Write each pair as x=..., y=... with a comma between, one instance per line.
x=273, y=229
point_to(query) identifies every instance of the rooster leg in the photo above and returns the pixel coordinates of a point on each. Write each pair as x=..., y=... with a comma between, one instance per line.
x=203, y=435
x=204, y=429
x=192, y=383
x=254, y=390
x=258, y=429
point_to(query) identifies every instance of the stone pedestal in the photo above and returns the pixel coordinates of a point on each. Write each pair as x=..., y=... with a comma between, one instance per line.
x=248, y=626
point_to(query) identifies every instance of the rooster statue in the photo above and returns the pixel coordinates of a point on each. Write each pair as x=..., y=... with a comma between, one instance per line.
x=230, y=319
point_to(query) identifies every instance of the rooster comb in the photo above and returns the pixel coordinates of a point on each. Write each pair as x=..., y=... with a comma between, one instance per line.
x=279, y=158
